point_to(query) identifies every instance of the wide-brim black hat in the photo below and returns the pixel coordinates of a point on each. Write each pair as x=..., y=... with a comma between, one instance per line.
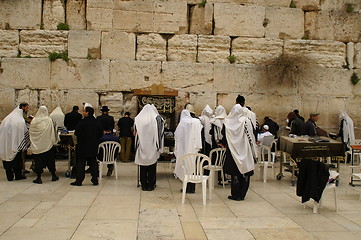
x=105, y=109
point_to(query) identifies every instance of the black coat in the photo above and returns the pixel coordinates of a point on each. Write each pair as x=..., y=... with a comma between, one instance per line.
x=72, y=119
x=88, y=133
x=106, y=121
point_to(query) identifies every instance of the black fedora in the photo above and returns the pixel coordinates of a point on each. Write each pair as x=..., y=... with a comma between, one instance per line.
x=105, y=109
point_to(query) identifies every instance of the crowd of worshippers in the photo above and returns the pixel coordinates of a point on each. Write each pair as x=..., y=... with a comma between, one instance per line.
x=237, y=131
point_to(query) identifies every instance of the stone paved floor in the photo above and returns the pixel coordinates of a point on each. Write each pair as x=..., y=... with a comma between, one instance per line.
x=120, y=210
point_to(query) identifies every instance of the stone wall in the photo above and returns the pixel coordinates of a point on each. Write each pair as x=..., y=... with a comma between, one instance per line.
x=286, y=56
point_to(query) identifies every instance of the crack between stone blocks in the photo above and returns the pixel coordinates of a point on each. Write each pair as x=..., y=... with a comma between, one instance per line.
x=213, y=21
x=136, y=46
x=189, y=16
x=41, y=16
x=64, y=6
x=86, y=20
x=197, y=53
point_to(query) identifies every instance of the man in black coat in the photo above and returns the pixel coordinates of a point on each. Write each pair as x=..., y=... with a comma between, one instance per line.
x=88, y=133
x=105, y=120
x=72, y=119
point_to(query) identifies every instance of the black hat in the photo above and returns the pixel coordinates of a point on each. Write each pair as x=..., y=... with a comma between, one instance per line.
x=105, y=109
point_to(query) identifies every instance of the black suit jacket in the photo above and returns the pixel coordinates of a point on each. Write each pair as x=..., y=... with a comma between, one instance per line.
x=88, y=133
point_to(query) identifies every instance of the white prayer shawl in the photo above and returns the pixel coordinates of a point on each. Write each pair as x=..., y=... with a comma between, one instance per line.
x=217, y=121
x=262, y=135
x=13, y=134
x=348, y=129
x=240, y=139
x=205, y=118
x=42, y=132
x=149, y=142
x=58, y=116
x=251, y=115
x=187, y=139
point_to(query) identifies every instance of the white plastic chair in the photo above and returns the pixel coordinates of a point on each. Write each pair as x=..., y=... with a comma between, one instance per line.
x=329, y=186
x=192, y=164
x=220, y=156
x=266, y=145
x=109, y=149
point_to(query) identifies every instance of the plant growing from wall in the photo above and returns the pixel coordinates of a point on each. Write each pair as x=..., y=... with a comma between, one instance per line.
x=355, y=79
x=202, y=4
x=350, y=7
x=56, y=55
x=293, y=4
x=232, y=58
x=265, y=22
x=62, y=26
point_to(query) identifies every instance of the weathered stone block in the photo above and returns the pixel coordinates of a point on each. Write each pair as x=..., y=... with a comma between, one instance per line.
x=213, y=49
x=340, y=5
x=357, y=56
x=284, y=23
x=128, y=75
x=324, y=53
x=75, y=14
x=353, y=110
x=39, y=43
x=333, y=25
x=22, y=72
x=20, y=14
x=201, y=20
x=53, y=98
x=99, y=18
x=53, y=13
x=188, y=76
x=182, y=48
x=7, y=103
x=114, y=101
x=84, y=44
x=80, y=74
x=200, y=99
x=9, y=41
x=151, y=47
x=133, y=21
x=256, y=50
x=29, y=96
x=100, y=4
x=238, y=20
x=350, y=53
x=171, y=17
x=118, y=45
x=308, y=5
x=78, y=97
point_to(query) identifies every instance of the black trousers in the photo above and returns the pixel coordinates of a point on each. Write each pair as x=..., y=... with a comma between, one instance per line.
x=148, y=176
x=239, y=186
x=44, y=160
x=80, y=168
x=14, y=167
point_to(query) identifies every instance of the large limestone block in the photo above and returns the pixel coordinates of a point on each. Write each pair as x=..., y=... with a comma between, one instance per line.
x=200, y=99
x=39, y=43
x=84, y=44
x=99, y=18
x=324, y=53
x=256, y=50
x=339, y=5
x=308, y=5
x=114, y=101
x=238, y=20
x=118, y=45
x=80, y=74
x=193, y=77
x=76, y=97
x=201, y=20
x=20, y=14
x=357, y=56
x=53, y=98
x=128, y=75
x=22, y=72
x=171, y=17
x=151, y=47
x=333, y=25
x=7, y=103
x=29, y=96
x=75, y=14
x=53, y=13
x=284, y=23
x=213, y=49
x=353, y=110
x=182, y=48
x=9, y=41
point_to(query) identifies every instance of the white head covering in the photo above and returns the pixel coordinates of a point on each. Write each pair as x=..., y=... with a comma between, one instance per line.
x=348, y=129
x=14, y=135
x=42, y=132
x=58, y=116
x=149, y=137
x=251, y=115
x=217, y=121
x=190, y=108
x=206, y=121
x=187, y=139
x=240, y=139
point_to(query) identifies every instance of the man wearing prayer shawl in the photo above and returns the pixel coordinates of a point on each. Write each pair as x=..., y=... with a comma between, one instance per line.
x=149, y=143
x=205, y=118
x=58, y=117
x=43, y=137
x=346, y=132
x=240, y=154
x=217, y=125
x=14, y=137
x=188, y=139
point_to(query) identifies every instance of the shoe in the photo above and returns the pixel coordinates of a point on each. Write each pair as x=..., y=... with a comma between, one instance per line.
x=95, y=182
x=150, y=188
x=190, y=192
x=54, y=178
x=38, y=181
x=75, y=184
x=26, y=171
x=21, y=177
x=110, y=171
x=235, y=199
x=88, y=170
